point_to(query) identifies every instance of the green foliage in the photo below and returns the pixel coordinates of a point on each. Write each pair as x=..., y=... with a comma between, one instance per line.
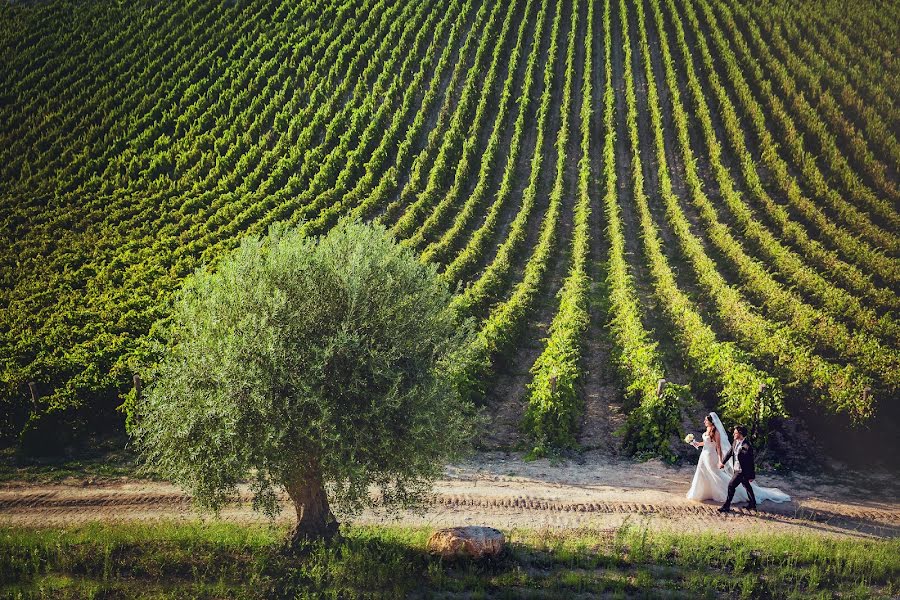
x=653, y=419
x=373, y=192
x=419, y=166
x=437, y=250
x=718, y=364
x=458, y=145
x=159, y=138
x=654, y=425
x=375, y=167
x=217, y=560
x=829, y=335
x=849, y=267
x=500, y=329
x=342, y=351
x=555, y=405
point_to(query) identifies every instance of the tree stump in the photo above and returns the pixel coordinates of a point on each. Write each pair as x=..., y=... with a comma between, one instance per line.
x=474, y=542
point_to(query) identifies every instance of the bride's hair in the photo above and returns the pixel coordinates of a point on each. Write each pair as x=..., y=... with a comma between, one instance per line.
x=712, y=424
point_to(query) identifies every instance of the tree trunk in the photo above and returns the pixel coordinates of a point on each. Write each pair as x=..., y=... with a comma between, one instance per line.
x=314, y=518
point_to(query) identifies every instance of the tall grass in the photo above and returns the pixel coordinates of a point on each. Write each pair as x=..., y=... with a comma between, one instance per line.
x=215, y=560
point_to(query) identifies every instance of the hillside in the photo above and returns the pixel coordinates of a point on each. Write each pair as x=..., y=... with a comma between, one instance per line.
x=702, y=191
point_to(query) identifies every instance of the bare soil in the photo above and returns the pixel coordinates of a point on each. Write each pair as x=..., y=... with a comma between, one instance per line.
x=502, y=490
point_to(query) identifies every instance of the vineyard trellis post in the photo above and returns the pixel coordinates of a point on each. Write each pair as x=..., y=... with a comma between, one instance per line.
x=660, y=387
x=32, y=387
x=758, y=407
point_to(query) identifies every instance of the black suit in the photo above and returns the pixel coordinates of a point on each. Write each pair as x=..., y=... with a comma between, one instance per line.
x=744, y=458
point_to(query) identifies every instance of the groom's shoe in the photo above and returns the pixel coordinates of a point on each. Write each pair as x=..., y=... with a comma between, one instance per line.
x=724, y=509
x=751, y=507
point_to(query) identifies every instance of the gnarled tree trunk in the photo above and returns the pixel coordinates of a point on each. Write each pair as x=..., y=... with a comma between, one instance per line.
x=314, y=518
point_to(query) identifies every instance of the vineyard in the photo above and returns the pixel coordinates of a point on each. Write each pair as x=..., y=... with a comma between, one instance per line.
x=622, y=192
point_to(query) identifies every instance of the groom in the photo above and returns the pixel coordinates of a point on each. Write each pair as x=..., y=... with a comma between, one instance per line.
x=744, y=469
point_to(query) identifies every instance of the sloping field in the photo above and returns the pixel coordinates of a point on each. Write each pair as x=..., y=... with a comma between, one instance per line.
x=702, y=191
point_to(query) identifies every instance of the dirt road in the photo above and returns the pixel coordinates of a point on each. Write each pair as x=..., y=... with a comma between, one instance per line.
x=502, y=490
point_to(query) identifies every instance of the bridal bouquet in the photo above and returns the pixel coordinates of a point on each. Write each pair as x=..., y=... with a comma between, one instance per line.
x=689, y=438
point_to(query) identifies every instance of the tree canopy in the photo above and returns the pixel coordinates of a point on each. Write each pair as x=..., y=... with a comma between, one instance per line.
x=327, y=367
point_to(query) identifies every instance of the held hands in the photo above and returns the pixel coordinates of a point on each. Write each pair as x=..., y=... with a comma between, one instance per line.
x=721, y=465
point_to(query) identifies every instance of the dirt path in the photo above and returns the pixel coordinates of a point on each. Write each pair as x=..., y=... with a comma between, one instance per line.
x=502, y=490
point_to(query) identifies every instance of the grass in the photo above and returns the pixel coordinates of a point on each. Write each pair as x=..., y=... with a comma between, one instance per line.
x=111, y=462
x=219, y=560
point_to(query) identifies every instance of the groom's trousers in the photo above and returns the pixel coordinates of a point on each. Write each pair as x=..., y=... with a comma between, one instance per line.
x=740, y=479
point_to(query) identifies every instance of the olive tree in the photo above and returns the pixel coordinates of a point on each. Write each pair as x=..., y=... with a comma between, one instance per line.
x=327, y=368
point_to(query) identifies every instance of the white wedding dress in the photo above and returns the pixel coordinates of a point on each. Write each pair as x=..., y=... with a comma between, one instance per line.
x=711, y=483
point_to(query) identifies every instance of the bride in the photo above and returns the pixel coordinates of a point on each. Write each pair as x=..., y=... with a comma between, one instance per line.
x=710, y=482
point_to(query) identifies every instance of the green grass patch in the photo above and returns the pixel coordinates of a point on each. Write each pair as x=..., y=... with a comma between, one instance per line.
x=217, y=560
x=101, y=464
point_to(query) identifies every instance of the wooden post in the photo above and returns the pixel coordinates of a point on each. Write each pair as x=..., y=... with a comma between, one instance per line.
x=553, y=384
x=137, y=386
x=32, y=386
x=866, y=391
x=757, y=409
x=660, y=387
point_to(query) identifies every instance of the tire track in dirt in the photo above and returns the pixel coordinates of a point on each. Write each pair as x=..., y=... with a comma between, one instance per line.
x=65, y=504
x=503, y=490
x=163, y=501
